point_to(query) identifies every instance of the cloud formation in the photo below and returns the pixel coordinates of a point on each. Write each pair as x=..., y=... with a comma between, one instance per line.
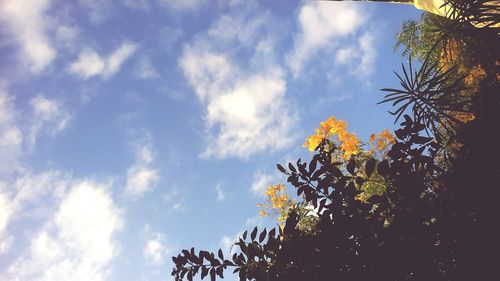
x=359, y=58
x=181, y=5
x=6, y=212
x=48, y=114
x=246, y=110
x=144, y=69
x=27, y=23
x=90, y=64
x=11, y=137
x=154, y=249
x=220, y=193
x=141, y=177
x=322, y=24
x=77, y=241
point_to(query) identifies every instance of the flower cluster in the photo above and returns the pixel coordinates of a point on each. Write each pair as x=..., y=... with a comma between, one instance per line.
x=381, y=143
x=332, y=127
x=278, y=202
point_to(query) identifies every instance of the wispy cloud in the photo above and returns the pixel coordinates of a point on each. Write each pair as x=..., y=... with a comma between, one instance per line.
x=48, y=114
x=141, y=177
x=90, y=64
x=246, y=108
x=181, y=5
x=144, y=69
x=11, y=137
x=6, y=212
x=97, y=10
x=323, y=24
x=27, y=23
x=220, y=193
x=154, y=248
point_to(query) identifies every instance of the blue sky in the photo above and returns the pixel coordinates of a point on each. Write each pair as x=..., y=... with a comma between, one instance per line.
x=131, y=129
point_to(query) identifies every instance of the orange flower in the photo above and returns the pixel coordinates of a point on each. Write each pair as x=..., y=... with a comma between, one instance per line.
x=348, y=142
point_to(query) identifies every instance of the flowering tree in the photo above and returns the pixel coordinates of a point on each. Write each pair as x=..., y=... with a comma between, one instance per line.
x=391, y=211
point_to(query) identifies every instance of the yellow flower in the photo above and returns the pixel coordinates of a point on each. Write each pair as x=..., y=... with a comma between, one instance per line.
x=348, y=142
x=350, y=145
x=313, y=141
x=381, y=142
x=387, y=136
x=338, y=127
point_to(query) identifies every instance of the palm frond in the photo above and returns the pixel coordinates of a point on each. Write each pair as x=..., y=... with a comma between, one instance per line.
x=429, y=92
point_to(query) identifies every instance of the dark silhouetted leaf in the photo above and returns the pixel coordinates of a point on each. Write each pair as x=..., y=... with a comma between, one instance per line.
x=253, y=234
x=351, y=166
x=262, y=235
x=369, y=167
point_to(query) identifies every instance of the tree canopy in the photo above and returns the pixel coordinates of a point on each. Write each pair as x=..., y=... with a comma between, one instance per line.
x=423, y=208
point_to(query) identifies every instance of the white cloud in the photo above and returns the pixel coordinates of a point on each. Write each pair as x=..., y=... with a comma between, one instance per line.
x=90, y=64
x=49, y=114
x=358, y=58
x=97, y=10
x=67, y=34
x=144, y=69
x=28, y=23
x=178, y=207
x=181, y=5
x=322, y=24
x=245, y=107
x=244, y=114
x=155, y=250
x=141, y=177
x=78, y=242
x=220, y=193
x=369, y=53
x=11, y=137
x=143, y=5
x=344, y=55
x=33, y=189
x=262, y=181
x=6, y=212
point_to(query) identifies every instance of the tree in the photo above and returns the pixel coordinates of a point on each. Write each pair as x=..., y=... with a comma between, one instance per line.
x=432, y=222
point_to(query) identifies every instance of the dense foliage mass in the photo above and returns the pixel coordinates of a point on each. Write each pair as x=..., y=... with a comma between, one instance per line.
x=420, y=205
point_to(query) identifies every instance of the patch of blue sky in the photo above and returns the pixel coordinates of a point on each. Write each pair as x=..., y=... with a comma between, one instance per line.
x=133, y=129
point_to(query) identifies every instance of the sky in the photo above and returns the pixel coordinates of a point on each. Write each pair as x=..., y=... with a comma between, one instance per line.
x=132, y=129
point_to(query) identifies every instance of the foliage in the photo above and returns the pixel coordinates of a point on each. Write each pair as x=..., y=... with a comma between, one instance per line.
x=426, y=221
x=429, y=91
x=351, y=237
x=279, y=202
